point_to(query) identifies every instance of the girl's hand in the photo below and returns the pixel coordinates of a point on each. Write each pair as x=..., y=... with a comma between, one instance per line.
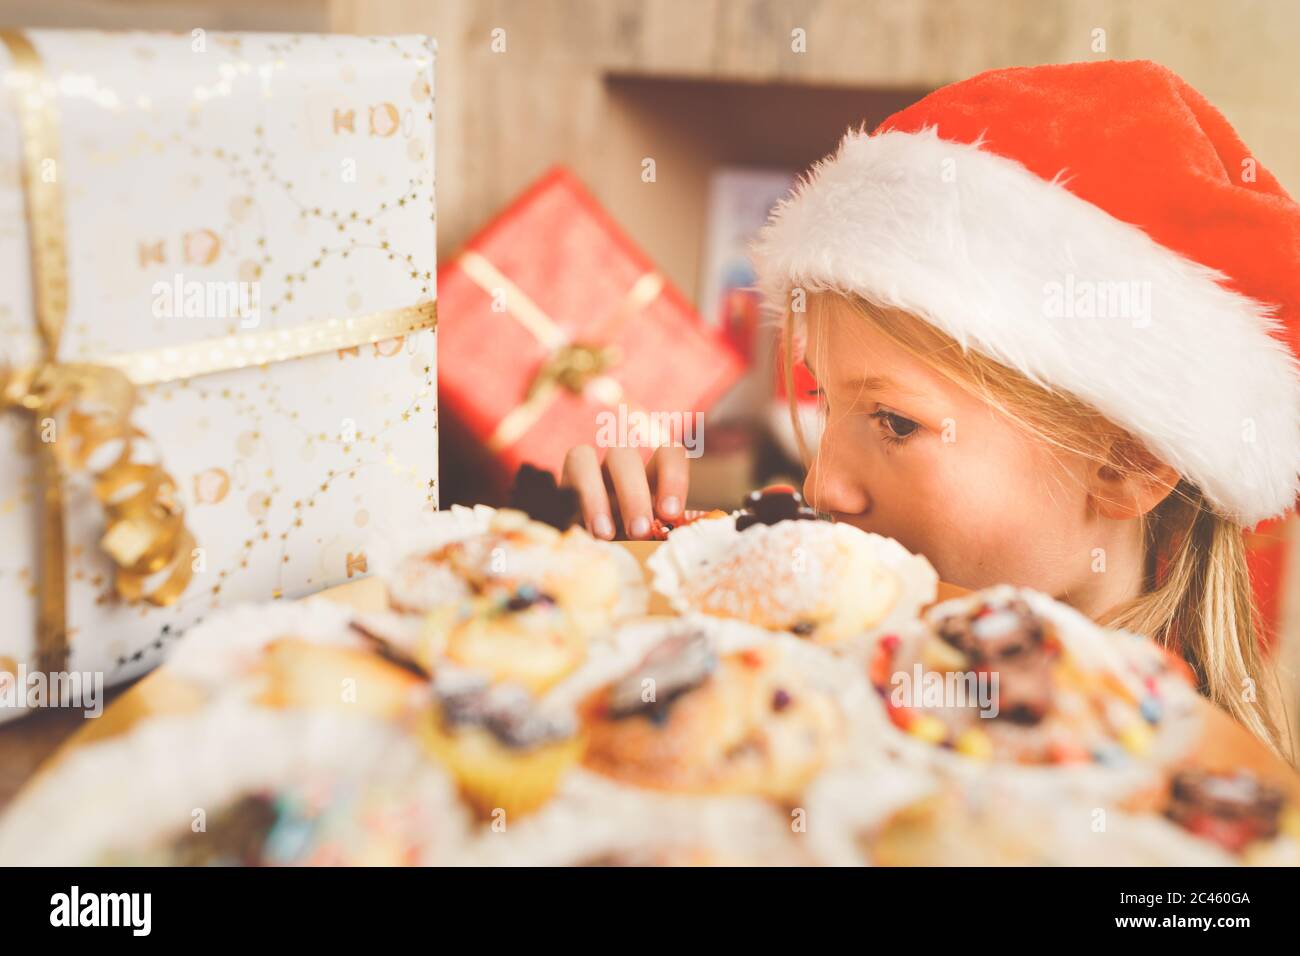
x=622, y=493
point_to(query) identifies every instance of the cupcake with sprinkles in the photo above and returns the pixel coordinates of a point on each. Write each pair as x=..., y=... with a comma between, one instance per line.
x=482, y=553
x=718, y=708
x=987, y=821
x=299, y=674
x=522, y=637
x=499, y=593
x=1256, y=822
x=226, y=651
x=239, y=786
x=1010, y=678
x=774, y=566
x=595, y=821
x=307, y=655
x=506, y=749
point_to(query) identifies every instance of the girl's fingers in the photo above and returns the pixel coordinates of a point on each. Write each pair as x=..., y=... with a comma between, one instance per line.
x=670, y=472
x=632, y=488
x=582, y=473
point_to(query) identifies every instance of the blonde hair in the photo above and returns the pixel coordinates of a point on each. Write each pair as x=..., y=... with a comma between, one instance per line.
x=1200, y=603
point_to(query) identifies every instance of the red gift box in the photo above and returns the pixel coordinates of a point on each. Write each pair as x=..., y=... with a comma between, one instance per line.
x=554, y=326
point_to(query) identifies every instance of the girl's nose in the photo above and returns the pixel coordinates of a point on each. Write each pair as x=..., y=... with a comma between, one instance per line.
x=833, y=488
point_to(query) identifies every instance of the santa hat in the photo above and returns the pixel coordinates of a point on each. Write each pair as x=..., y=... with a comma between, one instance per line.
x=1098, y=227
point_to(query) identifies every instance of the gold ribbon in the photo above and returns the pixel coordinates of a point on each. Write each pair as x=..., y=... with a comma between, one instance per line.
x=571, y=366
x=82, y=410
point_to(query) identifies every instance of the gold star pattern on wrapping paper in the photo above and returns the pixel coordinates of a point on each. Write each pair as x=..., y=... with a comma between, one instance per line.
x=269, y=404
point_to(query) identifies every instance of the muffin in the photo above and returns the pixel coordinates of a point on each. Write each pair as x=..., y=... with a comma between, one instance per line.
x=494, y=554
x=892, y=815
x=497, y=592
x=974, y=826
x=1250, y=819
x=505, y=750
x=241, y=786
x=693, y=719
x=523, y=637
x=299, y=674
x=1008, y=676
x=317, y=823
x=827, y=583
x=225, y=653
x=595, y=821
x=303, y=655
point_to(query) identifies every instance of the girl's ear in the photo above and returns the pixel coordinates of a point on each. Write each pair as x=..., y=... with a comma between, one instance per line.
x=1131, y=482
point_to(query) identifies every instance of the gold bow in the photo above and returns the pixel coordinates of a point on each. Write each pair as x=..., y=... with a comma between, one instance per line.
x=83, y=415
x=573, y=366
x=569, y=365
x=82, y=410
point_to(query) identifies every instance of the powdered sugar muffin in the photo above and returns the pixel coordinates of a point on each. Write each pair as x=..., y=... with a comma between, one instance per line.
x=1009, y=676
x=827, y=583
x=693, y=717
x=482, y=553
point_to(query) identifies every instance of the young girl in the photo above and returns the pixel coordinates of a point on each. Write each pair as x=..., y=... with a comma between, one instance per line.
x=1048, y=310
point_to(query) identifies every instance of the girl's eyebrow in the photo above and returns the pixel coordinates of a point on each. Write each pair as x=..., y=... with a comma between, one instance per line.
x=878, y=383
x=870, y=383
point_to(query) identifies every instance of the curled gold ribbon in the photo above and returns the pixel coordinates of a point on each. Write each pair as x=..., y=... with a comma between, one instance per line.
x=571, y=366
x=83, y=413
x=82, y=410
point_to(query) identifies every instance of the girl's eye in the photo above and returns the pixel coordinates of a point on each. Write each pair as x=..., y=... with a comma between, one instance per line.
x=895, y=428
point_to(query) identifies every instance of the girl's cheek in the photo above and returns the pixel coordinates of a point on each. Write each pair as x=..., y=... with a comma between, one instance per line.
x=1004, y=526
x=954, y=505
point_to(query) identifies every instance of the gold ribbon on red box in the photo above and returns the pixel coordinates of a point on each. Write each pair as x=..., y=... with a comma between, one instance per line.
x=82, y=410
x=570, y=365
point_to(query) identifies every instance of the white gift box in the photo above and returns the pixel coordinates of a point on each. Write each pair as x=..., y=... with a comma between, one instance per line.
x=271, y=195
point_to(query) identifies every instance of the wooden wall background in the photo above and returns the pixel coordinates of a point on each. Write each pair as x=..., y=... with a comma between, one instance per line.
x=556, y=94
x=602, y=84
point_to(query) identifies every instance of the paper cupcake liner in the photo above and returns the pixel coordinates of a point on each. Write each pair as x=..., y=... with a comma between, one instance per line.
x=595, y=820
x=220, y=654
x=845, y=807
x=702, y=543
x=1095, y=648
x=128, y=792
x=459, y=523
